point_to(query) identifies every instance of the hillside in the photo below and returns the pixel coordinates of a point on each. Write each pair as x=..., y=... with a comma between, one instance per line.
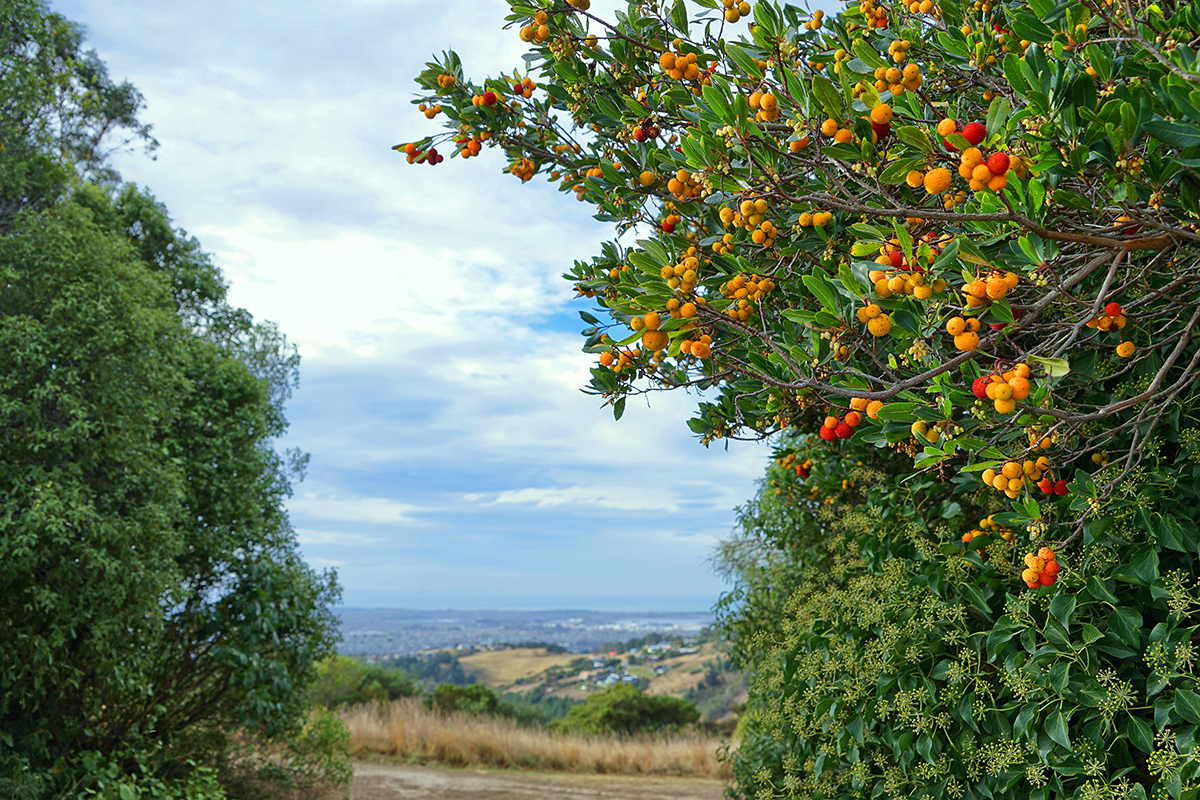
x=699, y=673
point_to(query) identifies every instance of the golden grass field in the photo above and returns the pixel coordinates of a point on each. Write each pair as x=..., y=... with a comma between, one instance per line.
x=501, y=669
x=405, y=729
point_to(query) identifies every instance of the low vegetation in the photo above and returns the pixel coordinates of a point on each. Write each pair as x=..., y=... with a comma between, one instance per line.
x=405, y=729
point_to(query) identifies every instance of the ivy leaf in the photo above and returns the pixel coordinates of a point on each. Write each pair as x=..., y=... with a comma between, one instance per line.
x=1056, y=729
x=1140, y=734
x=1188, y=705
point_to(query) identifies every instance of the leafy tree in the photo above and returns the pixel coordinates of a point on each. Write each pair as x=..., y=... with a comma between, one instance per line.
x=473, y=699
x=924, y=244
x=624, y=709
x=153, y=601
x=342, y=680
x=59, y=109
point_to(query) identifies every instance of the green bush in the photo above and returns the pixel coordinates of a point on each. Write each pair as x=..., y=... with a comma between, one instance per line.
x=473, y=699
x=342, y=680
x=624, y=709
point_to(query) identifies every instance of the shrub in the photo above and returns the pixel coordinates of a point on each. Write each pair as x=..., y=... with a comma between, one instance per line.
x=624, y=709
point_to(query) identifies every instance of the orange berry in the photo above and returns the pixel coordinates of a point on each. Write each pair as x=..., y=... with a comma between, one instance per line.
x=1046, y=554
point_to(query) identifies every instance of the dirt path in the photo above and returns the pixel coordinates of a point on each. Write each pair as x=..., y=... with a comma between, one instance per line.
x=396, y=781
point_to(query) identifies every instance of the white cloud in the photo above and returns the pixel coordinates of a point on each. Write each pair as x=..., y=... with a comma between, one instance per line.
x=623, y=498
x=372, y=510
x=310, y=536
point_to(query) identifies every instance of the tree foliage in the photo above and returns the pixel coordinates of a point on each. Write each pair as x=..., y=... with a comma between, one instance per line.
x=152, y=599
x=922, y=243
x=625, y=709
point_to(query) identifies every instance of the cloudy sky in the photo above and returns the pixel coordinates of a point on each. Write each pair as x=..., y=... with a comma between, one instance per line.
x=455, y=463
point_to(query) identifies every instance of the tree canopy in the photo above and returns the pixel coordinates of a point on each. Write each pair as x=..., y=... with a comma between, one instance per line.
x=946, y=253
x=152, y=599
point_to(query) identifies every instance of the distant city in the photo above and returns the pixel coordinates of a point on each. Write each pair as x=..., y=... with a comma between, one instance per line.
x=395, y=632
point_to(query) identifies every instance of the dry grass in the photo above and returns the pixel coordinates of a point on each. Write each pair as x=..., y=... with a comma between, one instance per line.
x=405, y=729
x=503, y=668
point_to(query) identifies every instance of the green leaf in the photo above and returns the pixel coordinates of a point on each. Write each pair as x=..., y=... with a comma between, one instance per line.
x=1062, y=607
x=679, y=17
x=824, y=292
x=914, y=137
x=897, y=412
x=1027, y=26
x=1188, y=705
x=848, y=279
x=1056, y=729
x=1126, y=623
x=744, y=60
x=997, y=115
x=1055, y=367
x=868, y=54
x=1175, y=133
x=1140, y=734
x=829, y=97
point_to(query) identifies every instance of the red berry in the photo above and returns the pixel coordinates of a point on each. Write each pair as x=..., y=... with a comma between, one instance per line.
x=1033, y=584
x=998, y=326
x=948, y=146
x=881, y=130
x=1046, y=485
x=998, y=163
x=1051, y=568
x=489, y=98
x=1060, y=488
x=897, y=259
x=1046, y=579
x=979, y=387
x=668, y=227
x=1113, y=309
x=974, y=132
x=827, y=434
x=843, y=431
x=639, y=134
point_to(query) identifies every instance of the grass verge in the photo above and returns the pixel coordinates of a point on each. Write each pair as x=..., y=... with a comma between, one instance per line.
x=406, y=729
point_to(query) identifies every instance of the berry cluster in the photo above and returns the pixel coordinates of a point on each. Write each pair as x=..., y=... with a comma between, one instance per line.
x=766, y=105
x=683, y=276
x=1006, y=390
x=751, y=215
x=997, y=284
x=679, y=66
x=989, y=525
x=868, y=407
x=1050, y=486
x=1011, y=477
x=965, y=333
x=734, y=10
x=878, y=323
x=898, y=80
x=645, y=132
x=1113, y=318
x=833, y=428
x=415, y=156
x=744, y=292
x=1041, y=569
x=523, y=169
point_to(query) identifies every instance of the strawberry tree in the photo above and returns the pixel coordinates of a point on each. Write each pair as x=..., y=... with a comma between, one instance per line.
x=969, y=227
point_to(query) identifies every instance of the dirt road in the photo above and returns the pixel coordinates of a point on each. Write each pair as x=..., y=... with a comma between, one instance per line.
x=395, y=781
